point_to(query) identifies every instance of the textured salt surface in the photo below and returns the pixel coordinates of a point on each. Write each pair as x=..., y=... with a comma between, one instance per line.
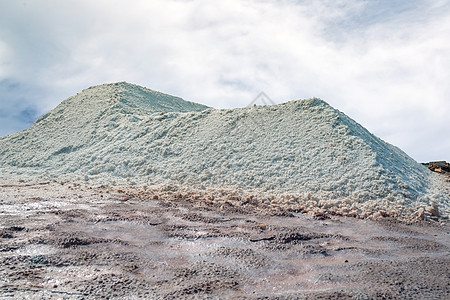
x=125, y=133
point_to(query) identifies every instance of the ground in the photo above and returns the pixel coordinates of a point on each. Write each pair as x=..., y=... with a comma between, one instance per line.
x=72, y=241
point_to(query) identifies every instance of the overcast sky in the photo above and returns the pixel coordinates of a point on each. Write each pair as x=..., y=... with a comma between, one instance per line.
x=384, y=63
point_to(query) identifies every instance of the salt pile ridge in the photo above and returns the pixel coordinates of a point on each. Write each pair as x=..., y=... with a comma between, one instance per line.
x=305, y=148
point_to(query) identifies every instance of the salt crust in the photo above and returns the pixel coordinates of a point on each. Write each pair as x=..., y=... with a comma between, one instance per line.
x=302, y=153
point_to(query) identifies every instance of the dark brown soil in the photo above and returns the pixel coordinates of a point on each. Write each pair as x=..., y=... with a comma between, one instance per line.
x=72, y=241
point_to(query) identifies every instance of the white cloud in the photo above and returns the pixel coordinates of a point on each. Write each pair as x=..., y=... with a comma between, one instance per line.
x=383, y=63
x=4, y=60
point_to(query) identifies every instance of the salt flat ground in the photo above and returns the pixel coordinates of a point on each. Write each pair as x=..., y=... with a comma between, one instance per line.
x=71, y=241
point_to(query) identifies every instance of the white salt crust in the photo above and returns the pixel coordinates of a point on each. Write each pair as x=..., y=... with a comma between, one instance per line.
x=123, y=133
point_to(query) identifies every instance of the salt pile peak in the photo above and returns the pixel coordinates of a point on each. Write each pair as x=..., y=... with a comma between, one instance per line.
x=89, y=117
x=121, y=97
x=305, y=148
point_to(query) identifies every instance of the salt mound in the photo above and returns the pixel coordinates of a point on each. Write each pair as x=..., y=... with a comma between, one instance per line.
x=304, y=148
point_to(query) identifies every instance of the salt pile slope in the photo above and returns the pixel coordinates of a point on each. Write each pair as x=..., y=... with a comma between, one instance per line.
x=303, y=147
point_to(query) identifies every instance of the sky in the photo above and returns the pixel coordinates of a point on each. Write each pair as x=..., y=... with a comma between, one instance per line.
x=384, y=63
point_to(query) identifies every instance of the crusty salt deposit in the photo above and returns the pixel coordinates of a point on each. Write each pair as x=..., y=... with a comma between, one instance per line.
x=307, y=149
